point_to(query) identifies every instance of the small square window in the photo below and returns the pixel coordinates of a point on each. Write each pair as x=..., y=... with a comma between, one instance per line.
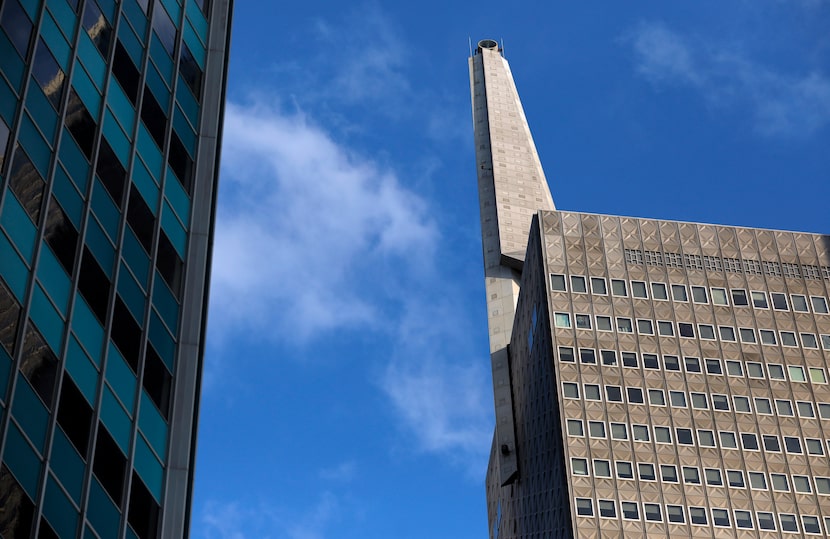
x=596, y=429
x=629, y=359
x=662, y=435
x=598, y=286
x=668, y=473
x=675, y=515
x=609, y=357
x=801, y=484
x=706, y=331
x=719, y=296
x=629, y=511
x=793, y=445
x=788, y=522
x=691, y=475
x=776, y=371
x=588, y=356
x=759, y=300
x=699, y=294
x=805, y=409
x=757, y=480
x=607, y=509
x=665, y=328
x=720, y=402
x=575, y=427
x=754, y=369
x=784, y=407
x=814, y=447
x=727, y=333
x=743, y=519
x=808, y=340
x=692, y=364
x=557, y=283
x=697, y=516
x=713, y=477
x=684, y=436
x=645, y=326
x=585, y=507
x=570, y=390
x=819, y=304
x=741, y=404
x=592, y=392
x=639, y=290
x=779, y=482
x=677, y=399
x=671, y=363
x=748, y=335
x=624, y=325
x=799, y=303
x=646, y=471
x=825, y=342
x=810, y=525
x=796, y=373
x=779, y=301
x=635, y=395
x=824, y=410
x=653, y=512
x=771, y=443
x=659, y=291
x=640, y=433
x=720, y=518
x=713, y=366
x=604, y=323
x=749, y=441
x=602, y=468
x=766, y=520
x=618, y=288
x=818, y=375
x=678, y=292
x=619, y=431
x=823, y=485
x=699, y=401
x=734, y=368
x=768, y=337
x=686, y=330
x=706, y=438
x=613, y=394
x=650, y=361
x=624, y=469
x=562, y=320
x=566, y=354
x=735, y=478
x=578, y=284
x=656, y=397
x=739, y=298
x=763, y=406
x=579, y=466
x=583, y=321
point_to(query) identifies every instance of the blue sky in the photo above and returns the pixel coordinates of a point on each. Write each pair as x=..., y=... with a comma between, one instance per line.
x=347, y=390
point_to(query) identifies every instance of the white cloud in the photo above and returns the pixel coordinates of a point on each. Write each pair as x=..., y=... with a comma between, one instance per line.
x=781, y=104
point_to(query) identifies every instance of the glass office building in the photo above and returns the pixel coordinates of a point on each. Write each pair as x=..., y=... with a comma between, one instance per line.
x=652, y=378
x=110, y=115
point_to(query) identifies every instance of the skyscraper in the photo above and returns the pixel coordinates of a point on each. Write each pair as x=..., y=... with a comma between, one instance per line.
x=651, y=377
x=110, y=116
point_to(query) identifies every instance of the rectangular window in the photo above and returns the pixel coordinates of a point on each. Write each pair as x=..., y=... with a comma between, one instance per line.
x=825, y=342
x=720, y=518
x=607, y=509
x=570, y=390
x=727, y=333
x=697, y=516
x=706, y=331
x=604, y=323
x=748, y=335
x=652, y=512
x=784, y=407
x=668, y=473
x=757, y=480
x=788, y=339
x=788, y=522
x=677, y=399
x=619, y=431
x=578, y=284
x=579, y=466
x=583, y=321
x=808, y=340
x=699, y=401
x=635, y=395
x=734, y=368
x=624, y=325
x=618, y=288
x=566, y=354
x=678, y=292
x=692, y=364
x=799, y=303
x=624, y=469
x=639, y=290
x=684, y=436
x=810, y=524
x=720, y=402
x=646, y=471
x=771, y=443
x=713, y=366
x=699, y=294
x=629, y=511
x=749, y=441
x=706, y=438
x=819, y=304
x=766, y=520
x=666, y=328
x=801, y=484
x=562, y=320
x=671, y=363
x=584, y=507
x=596, y=429
x=587, y=356
x=759, y=299
x=645, y=326
x=629, y=359
x=763, y=406
x=739, y=298
x=659, y=291
x=805, y=409
x=735, y=478
x=640, y=433
x=796, y=373
x=675, y=514
x=691, y=475
x=598, y=286
x=686, y=330
x=776, y=371
x=557, y=283
x=592, y=392
x=741, y=404
x=743, y=519
x=779, y=301
x=818, y=375
x=650, y=361
x=814, y=446
x=575, y=427
x=768, y=337
x=713, y=477
x=609, y=357
x=613, y=394
x=719, y=296
x=656, y=397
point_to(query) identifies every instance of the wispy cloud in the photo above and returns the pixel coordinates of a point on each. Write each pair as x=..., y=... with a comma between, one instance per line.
x=781, y=104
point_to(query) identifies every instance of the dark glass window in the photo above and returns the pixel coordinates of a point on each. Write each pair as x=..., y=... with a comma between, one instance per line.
x=180, y=162
x=17, y=25
x=46, y=531
x=9, y=316
x=74, y=415
x=39, y=365
x=49, y=74
x=164, y=28
x=686, y=330
x=125, y=72
x=153, y=117
x=111, y=172
x=171, y=266
x=739, y=298
x=80, y=123
x=143, y=515
x=204, y=5
x=94, y=285
x=126, y=333
x=157, y=381
x=61, y=235
x=4, y=142
x=141, y=219
x=190, y=71
x=26, y=183
x=109, y=464
x=97, y=27
x=17, y=514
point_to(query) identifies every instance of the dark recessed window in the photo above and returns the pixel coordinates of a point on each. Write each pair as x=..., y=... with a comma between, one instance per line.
x=39, y=365
x=9, y=316
x=126, y=333
x=170, y=265
x=61, y=235
x=74, y=415
x=180, y=162
x=94, y=285
x=49, y=74
x=190, y=71
x=80, y=123
x=97, y=27
x=26, y=183
x=4, y=142
x=109, y=464
x=164, y=28
x=125, y=72
x=153, y=117
x=157, y=381
x=111, y=172
x=144, y=511
x=17, y=26
x=18, y=510
x=46, y=531
x=141, y=219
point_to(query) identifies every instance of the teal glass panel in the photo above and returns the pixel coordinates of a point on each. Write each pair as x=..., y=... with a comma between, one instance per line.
x=149, y=468
x=47, y=319
x=5, y=371
x=8, y=99
x=12, y=268
x=117, y=139
x=32, y=7
x=134, y=47
x=136, y=258
x=100, y=246
x=161, y=59
x=162, y=341
x=175, y=231
x=146, y=186
x=121, y=377
x=34, y=145
x=68, y=196
x=165, y=304
x=74, y=161
x=116, y=419
x=92, y=61
x=56, y=41
x=82, y=370
x=10, y=63
x=149, y=152
x=108, y=9
x=65, y=16
x=157, y=86
x=197, y=18
x=86, y=327
x=30, y=412
x=22, y=460
x=121, y=106
x=178, y=199
x=152, y=425
x=54, y=278
x=175, y=11
x=85, y=88
x=89, y=534
x=101, y=512
x=130, y=533
x=41, y=111
x=136, y=17
x=18, y=225
x=131, y=293
x=185, y=99
x=105, y=210
x=194, y=44
x=67, y=465
x=186, y=133
x=59, y=511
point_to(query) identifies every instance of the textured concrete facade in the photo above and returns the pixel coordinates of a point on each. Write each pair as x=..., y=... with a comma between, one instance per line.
x=667, y=379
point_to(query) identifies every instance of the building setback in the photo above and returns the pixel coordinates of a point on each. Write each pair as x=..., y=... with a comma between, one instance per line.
x=110, y=117
x=660, y=378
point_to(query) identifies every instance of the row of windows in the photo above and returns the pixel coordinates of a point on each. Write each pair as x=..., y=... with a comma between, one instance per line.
x=691, y=475
x=739, y=297
x=708, y=332
x=705, y=437
x=699, y=516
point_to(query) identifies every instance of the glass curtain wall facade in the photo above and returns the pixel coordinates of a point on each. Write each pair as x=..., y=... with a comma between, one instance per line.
x=110, y=114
